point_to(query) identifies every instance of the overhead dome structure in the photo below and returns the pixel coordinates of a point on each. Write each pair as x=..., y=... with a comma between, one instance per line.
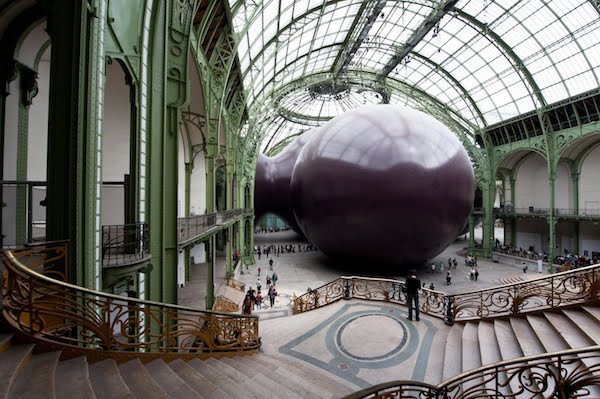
x=473, y=64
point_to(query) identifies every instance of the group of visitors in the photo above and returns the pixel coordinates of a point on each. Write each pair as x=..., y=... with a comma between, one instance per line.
x=276, y=250
x=254, y=299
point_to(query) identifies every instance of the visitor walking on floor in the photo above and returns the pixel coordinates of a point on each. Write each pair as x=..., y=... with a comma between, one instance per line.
x=272, y=294
x=448, y=278
x=274, y=278
x=259, y=299
x=413, y=285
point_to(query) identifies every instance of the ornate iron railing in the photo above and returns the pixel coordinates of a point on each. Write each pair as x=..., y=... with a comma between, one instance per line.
x=387, y=290
x=543, y=293
x=566, y=374
x=191, y=227
x=125, y=244
x=101, y=325
x=560, y=212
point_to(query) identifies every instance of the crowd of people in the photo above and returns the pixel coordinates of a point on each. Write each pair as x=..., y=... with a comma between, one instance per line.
x=278, y=249
x=254, y=298
x=574, y=260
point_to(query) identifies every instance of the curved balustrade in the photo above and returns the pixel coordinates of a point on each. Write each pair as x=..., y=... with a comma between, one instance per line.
x=566, y=374
x=102, y=325
x=125, y=244
x=543, y=293
x=431, y=302
x=192, y=227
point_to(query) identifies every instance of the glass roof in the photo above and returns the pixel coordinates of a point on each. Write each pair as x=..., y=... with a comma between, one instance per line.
x=483, y=61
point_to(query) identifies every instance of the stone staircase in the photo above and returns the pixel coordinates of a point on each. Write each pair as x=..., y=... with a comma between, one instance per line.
x=479, y=343
x=24, y=374
x=459, y=348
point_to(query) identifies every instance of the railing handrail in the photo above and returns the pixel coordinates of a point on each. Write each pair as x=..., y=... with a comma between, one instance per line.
x=124, y=225
x=525, y=362
x=476, y=304
x=14, y=261
x=496, y=287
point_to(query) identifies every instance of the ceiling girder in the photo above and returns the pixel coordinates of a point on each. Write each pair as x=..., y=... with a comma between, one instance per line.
x=417, y=36
x=372, y=11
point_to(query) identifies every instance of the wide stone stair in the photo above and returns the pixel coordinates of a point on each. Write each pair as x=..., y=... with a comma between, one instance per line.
x=480, y=343
x=24, y=374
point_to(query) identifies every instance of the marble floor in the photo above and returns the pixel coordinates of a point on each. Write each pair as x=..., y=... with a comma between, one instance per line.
x=362, y=343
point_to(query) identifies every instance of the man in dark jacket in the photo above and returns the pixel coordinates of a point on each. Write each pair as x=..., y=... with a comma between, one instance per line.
x=413, y=285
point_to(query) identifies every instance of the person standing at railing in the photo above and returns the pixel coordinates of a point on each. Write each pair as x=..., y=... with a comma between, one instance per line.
x=413, y=285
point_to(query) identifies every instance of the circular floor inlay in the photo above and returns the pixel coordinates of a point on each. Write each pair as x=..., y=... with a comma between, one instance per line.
x=371, y=337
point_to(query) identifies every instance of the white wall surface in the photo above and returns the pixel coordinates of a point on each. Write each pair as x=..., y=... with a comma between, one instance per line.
x=198, y=252
x=532, y=183
x=31, y=45
x=115, y=146
x=37, y=147
x=589, y=182
x=198, y=186
x=563, y=187
x=532, y=232
x=589, y=234
x=11, y=124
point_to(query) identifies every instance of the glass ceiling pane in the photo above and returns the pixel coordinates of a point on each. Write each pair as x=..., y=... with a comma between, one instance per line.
x=557, y=41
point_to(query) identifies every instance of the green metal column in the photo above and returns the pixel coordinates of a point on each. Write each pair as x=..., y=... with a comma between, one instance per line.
x=576, y=224
x=70, y=84
x=211, y=150
x=471, y=234
x=552, y=224
x=229, y=205
x=211, y=254
x=26, y=85
x=189, y=167
x=487, y=241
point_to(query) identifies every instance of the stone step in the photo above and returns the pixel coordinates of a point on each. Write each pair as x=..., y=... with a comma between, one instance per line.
x=553, y=341
x=37, y=378
x=490, y=353
x=202, y=385
x=328, y=385
x=217, y=377
x=471, y=354
x=140, y=382
x=574, y=338
x=526, y=337
x=506, y=340
x=586, y=324
x=258, y=386
x=73, y=379
x=5, y=340
x=244, y=364
x=294, y=382
x=593, y=311
x=12, y=361
x=169, y=381
x=547, y=334
x=509, y=348
x=570, y=332
x=107, y=382
x=435, y=362
x=453, y=352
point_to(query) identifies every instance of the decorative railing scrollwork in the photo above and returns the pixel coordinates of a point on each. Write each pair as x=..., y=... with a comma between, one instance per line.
x=568, y=374
x=543, y=293
x=386, y=290
x=92, y=322
x=125, y=244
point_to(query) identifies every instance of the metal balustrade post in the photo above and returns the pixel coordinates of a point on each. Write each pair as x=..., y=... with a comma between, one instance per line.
x=449, y=303
x=347, y=294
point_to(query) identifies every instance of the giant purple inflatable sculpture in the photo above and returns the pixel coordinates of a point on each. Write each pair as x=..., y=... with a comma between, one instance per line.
x=382, y=183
